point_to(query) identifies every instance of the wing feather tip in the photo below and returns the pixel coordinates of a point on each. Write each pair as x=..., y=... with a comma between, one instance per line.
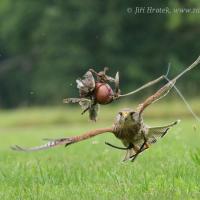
x=16, y=148
x=65, y=101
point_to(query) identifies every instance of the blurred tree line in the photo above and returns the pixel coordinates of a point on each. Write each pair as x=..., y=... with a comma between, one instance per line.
x=45, y=45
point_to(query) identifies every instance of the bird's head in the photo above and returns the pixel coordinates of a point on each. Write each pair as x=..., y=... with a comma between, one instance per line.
x=128, y=117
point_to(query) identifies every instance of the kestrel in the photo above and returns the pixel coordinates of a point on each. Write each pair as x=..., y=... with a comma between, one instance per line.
x=129, y=127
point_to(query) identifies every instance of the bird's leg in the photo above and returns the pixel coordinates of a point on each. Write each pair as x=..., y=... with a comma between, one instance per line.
x=121, y=148
x=136, y=155
x=141, y=148
x=146, y=146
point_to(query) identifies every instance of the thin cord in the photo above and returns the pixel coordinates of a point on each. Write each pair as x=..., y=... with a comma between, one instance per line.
x=143, y=87
x=181, y=95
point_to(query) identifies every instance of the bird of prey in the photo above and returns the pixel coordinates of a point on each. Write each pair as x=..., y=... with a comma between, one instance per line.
x=129, y=127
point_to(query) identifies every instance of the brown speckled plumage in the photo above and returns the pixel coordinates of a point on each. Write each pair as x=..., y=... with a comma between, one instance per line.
x=128, y=126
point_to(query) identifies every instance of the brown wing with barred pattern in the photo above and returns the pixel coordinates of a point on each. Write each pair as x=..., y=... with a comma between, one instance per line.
x=65, y=141
x=155, y=133
x=162, y=92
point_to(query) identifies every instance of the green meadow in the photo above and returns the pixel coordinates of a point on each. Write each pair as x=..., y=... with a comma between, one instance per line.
x=90, y=169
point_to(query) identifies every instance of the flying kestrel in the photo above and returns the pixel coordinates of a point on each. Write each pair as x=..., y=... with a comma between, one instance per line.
x=129, y=127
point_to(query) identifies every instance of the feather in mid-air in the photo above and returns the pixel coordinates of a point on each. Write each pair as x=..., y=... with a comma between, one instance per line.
x=94, y=92
x=129, y=127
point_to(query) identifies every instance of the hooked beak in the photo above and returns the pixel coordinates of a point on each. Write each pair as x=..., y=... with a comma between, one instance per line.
x=124, y=116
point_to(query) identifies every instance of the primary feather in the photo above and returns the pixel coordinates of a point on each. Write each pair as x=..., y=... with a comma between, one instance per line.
x=155, y=133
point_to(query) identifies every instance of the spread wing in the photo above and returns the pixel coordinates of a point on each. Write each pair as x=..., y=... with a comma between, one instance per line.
x=155, y=133
x=162, y=92
x=50, y=144
x=64, y=141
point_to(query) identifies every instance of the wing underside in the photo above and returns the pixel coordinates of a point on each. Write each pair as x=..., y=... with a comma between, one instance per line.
x=153, y=135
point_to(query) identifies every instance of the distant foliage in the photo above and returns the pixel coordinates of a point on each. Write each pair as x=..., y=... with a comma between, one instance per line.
x=46, y=45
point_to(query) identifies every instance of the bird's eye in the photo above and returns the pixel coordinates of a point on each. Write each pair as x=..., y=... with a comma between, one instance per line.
x=120, y=113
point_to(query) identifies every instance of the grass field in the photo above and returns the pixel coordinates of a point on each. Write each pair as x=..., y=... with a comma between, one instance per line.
x=91, y=170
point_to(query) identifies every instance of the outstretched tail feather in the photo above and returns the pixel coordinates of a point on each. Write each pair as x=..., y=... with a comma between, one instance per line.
x=63, y=141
